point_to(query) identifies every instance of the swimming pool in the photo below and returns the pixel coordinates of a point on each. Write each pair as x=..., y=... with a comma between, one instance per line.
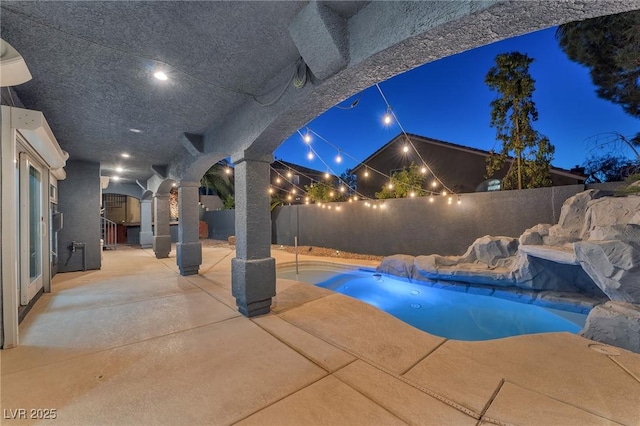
x=445, y=313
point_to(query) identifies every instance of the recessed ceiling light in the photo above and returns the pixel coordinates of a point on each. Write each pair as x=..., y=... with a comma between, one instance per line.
x=125, y=155
x=135, y=130
x=160, y=75
x=115, y=178
x=119, y=169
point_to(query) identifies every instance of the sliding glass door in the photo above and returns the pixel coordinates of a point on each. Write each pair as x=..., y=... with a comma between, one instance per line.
x=32, y=228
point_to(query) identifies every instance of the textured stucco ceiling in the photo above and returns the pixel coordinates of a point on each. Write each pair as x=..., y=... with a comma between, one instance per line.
x=93, y=62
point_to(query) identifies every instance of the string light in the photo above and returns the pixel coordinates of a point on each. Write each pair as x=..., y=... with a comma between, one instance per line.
x=405, y=148
x=338, y=158
x=278, y=180
x=270, y=190
x=331, y=194
x=431, y=199
x=366, y=173
x=350, y=200
x=293, y=190
x=327, y=175
x=289, y=197
x=388, y=118
x=289, y=174
x=390, y=186
x=228, y=170
x=307, y=136
x=310, y=155
x=449, y=200
x=423, y=170
x=375, y=206
x=434, y=183
x=412, y=194
x=444, y=193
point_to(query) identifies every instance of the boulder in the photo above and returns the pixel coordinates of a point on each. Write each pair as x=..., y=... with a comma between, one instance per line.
x=491, y=251
x=614, y=323
x=614, y=266
x=571, y=221
x=533, y=236
x=606, y=217
x=540, y=273
x=400, y=265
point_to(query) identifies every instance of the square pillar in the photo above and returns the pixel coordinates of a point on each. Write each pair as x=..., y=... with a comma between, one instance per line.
x=161, y=234
x=146, y=233
x=188, y=248
x=253, y=270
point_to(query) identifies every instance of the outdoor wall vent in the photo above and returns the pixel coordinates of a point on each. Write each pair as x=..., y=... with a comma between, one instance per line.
x=13, y=68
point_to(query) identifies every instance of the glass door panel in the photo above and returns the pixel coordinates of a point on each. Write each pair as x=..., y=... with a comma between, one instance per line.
x=31, y=229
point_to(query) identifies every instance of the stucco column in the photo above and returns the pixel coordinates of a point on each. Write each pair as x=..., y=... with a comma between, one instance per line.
x=253, y=270
x=188, y=248
x=161, y=235
x=146, y=234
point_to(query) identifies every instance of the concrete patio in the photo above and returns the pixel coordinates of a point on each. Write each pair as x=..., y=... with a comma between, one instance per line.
x=136, y=343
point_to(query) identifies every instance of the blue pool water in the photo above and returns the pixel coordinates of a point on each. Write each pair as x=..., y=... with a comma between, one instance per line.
x=445, y=313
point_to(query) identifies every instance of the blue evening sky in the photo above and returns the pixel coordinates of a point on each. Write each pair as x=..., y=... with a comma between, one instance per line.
x=448, y=100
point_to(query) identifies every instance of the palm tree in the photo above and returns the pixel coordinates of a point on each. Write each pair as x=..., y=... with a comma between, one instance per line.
x=219, y=179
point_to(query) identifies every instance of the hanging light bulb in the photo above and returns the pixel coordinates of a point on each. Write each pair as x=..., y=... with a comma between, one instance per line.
x=327, y=175
x=306, y=202
x=444, y=193
x=329, y=207
x=331, y=194
x=375, y=206
x=228, y=170
x=306, y=199
x=342, y=189
x=405, y=148
x=434, y=183
x=338, y=158
x=270, y=190
x=278, y=180
x=293, y=191
x=310, y=155
x=366, y=173
x=307, y=137
x=431, y=199
x=289, y=197
x=350, y=200
x=423, y=170
x=459, y=200
x=390, y=186
x=289, y=174
x=412, y=194
x=355, y=198
x=388, y=118
x=449, y=200
x=383, y=206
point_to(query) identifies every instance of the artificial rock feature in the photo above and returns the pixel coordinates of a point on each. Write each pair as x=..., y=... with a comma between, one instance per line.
x=593, y=251
x=615, y=323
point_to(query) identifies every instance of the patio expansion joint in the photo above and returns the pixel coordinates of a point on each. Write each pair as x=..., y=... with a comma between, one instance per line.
x=421, y=388
x=89, y=353
x=204, y=271
x=280, y=399
x=424, y=357
x=105, y=306
x=298, y=351
x=586, y=410
x=626, y=370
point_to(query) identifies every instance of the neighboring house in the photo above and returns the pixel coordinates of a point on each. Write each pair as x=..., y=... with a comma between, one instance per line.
x=460, y=168
x=291, y=179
